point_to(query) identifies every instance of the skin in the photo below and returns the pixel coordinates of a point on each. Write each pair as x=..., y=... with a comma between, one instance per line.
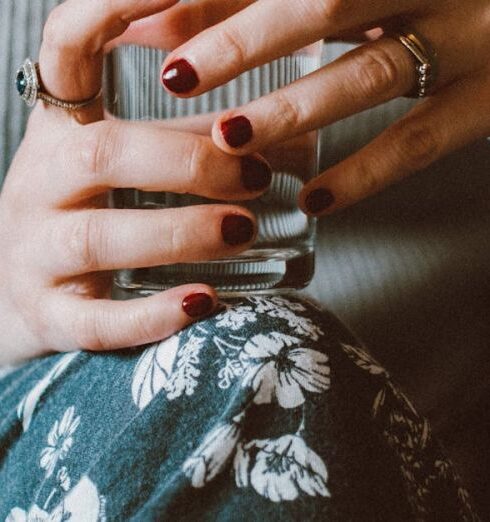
x=57, y=258
x=58, y=238
x=380, y=70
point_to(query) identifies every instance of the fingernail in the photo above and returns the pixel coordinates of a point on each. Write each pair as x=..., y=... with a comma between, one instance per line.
x=237, y=131
x=195, y=305
x=255, y=174
x=180, y=76
x=318, y=200
x=237, y=229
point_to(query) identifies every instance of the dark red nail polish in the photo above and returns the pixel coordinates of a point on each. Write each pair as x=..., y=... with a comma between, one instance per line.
x=318, y=200
x=237, y=131
x=195, y=305
x=180, y=76
x=255, y=173
x=237, y=229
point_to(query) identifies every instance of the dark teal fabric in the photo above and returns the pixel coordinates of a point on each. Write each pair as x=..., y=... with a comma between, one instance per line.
x=269, y=410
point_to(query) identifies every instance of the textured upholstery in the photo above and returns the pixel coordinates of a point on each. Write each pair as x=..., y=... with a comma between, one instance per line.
x=407, y=270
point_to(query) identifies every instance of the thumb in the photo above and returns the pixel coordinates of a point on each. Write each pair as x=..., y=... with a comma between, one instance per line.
x=71, y=56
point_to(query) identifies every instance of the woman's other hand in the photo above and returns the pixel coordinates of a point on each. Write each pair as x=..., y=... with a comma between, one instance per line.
x=373, y=73
x=58, y=240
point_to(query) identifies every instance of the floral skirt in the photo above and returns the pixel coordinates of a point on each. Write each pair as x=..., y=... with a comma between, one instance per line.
x=269, y=410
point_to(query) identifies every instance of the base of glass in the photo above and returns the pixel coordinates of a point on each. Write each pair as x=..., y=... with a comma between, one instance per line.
x=267, y=271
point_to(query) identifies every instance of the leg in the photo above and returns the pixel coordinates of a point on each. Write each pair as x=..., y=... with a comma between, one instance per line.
x=269, y=410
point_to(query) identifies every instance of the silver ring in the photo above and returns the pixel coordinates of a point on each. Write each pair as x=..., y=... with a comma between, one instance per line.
x=426, y=65
x=30, y=89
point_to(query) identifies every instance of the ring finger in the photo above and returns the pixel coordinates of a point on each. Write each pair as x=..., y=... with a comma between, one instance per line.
x=364, y=77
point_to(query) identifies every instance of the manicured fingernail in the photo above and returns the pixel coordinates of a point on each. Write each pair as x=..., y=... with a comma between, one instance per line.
x=237, y=229
x=255, y=173
x=318, y=200
x=180, y=76
x=237, y=131
x=195, y=305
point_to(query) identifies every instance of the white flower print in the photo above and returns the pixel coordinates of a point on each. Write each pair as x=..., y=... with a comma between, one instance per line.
x=185, y=372
x=281, y=469
x=26, y=407
x=211, y=456
x=60, y=440
x=82, y=504
x=301, y=325
x=364, y=360
x=231, y=369
x=35, y=514
x=235, y=317
x=267, y=304
x=279, y=307
x=276, y=367
x=153, y=370
x=167, y=366
x=63, y=478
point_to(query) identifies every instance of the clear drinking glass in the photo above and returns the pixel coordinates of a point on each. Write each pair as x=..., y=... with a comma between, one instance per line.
x=283, y=255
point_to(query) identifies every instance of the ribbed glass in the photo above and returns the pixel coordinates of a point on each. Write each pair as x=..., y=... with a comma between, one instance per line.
x=282, y=256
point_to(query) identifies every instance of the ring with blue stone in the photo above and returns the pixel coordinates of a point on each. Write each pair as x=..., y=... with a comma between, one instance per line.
x=27, y=82
x=29, y=89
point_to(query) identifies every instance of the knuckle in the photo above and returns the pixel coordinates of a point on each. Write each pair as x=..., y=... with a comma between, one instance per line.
x=333, y=10
x=197, y=156
x=83, y=243
x=174, y=242
x=54, y=31
x=288, y=112
x=368, y=179
x=102, y=148
x=376, y=72
x=234, y=46
x=143, y=326
x=97, y=329
x=418, y=145
x=70, y=155
x=90, y=330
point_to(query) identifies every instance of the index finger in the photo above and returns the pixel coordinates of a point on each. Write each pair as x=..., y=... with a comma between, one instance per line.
x=71, y=56
x=264, y=31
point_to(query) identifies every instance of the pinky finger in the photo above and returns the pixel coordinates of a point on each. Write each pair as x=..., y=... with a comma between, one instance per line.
x=103, y=324
x=446, y=122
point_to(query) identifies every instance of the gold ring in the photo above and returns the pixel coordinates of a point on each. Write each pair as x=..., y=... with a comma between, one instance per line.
x=425, y=57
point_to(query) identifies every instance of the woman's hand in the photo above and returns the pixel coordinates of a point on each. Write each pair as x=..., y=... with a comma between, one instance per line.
x=58, y=240
x=457, y=113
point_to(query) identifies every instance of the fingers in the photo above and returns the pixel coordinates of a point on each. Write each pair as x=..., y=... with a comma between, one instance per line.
x=106, y=239
x=438, y=126
x=367, y=76
x=178, y=24
x=220, y=53
x=71, y=54
x=195, y=124
x=150, y=157
x=100, y=324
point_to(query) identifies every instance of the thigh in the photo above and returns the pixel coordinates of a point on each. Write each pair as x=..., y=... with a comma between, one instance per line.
x=269, y=409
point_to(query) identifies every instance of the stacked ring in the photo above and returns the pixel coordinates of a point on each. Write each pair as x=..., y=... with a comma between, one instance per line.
x=425, y=57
